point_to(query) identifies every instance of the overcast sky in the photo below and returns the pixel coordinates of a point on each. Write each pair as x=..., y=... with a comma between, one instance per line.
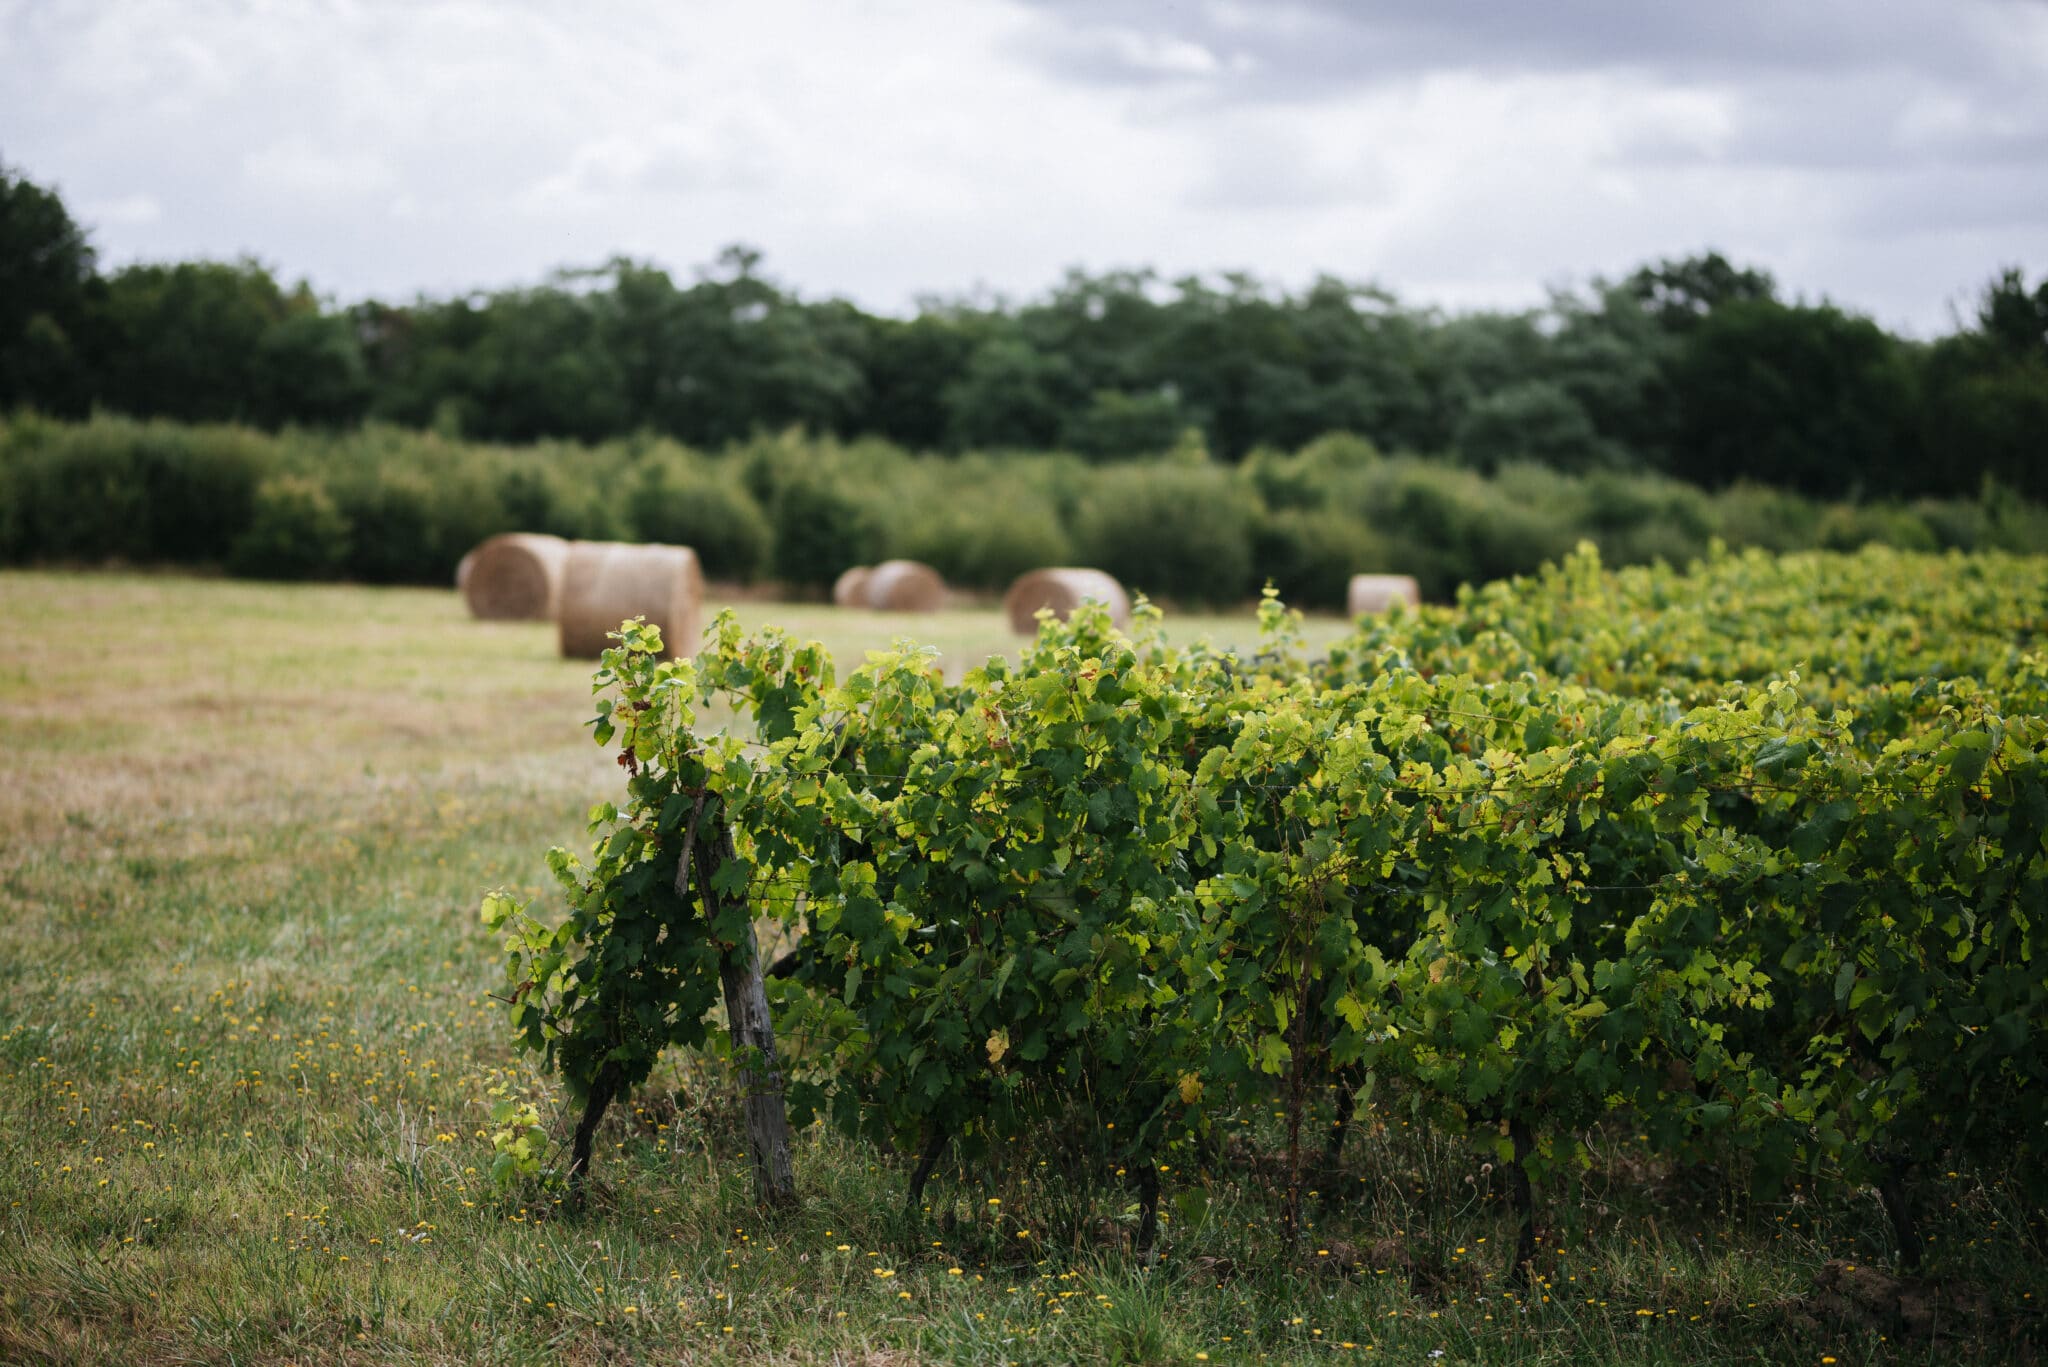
x=1888, y=154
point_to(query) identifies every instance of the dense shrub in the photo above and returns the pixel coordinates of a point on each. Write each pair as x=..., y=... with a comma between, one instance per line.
x=295, y=532
x=1332, y=472
x=411, y=525
x=199, y=485
x=1749, y=514
x=132, y=491
x=539, y=491
x=1310, y=556
x=1637, y=519
x=1848, y=527
x=681, y=501
x=823, y=523
x=402, y=506
x=1170, y=530
x=975, y=545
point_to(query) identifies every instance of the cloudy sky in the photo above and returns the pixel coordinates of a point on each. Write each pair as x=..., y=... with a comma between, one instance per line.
x=1887, y=154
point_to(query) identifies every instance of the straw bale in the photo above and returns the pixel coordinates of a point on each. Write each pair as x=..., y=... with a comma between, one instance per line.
x=1371, y=593
x=462, y=568
x=516, y=576
x=606, y=582
x=850, y=589
x=905, y=586
x=1063, y=590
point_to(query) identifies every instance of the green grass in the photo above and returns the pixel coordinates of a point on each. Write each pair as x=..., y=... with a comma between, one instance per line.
x=247, y=1055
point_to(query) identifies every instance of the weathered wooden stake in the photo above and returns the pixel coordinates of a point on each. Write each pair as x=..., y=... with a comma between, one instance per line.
x=746, y=1012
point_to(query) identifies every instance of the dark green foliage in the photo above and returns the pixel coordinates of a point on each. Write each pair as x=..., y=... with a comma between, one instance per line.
x=823, y=523
x=48, y=291
x=79, y=494
x=539, y=492
x=1810, y=399
x=1448, y=526
x=1692, y=367
x=1115, y=424
x=675, y=499
x=295, y=532
x=1011, y=395
x=405, y=528
x=1756, y=515
x=1534, y=420
x=310, y=370
x=134, y=491
x=1169, y=530
x=1310, y=555
x=1845, y=527
x=185, y=341
x=982, y=542
x=802, y=509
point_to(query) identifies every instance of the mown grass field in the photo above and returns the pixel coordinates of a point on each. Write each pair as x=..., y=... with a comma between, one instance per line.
x=247, y=1053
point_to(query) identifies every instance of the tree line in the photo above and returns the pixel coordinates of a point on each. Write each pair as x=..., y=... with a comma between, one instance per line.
x=1698, y=369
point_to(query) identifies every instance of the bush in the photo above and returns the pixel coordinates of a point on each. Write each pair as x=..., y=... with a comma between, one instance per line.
x=115, y=489
x=1310, y=556
x=986, y=543
x=822, y=525
x=539, y=493
x=408, y=528
x=1755, y=515
x=1848, y=527
x=1170, y=530
x=20, y=437
x=1448, y=526
x=295, y=532
x=200, y=484
x=1955, y=525
x=1178, y=526
x=81, y=496
x=677, y=500
x=1635, y=519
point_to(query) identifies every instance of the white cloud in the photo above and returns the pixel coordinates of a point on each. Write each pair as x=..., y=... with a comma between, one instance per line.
x=295, y=168
x=886, y=148
x=128, y=210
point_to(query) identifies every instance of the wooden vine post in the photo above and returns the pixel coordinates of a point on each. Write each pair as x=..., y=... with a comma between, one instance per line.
x=746, y=1011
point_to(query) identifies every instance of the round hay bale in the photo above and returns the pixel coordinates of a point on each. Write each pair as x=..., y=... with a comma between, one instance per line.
x=905, y=586
x=606, y=582
x=850, y=589
x=1063, y=590
x=516, y=576
x=462, y=568
x=1371, y=593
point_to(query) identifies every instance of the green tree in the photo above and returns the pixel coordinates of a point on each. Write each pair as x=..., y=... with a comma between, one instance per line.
x=1680, y=293
x=1808, y=398
x=184, y=340
x=310, y=369
x=1011, y=395
x=47, y=287
x=1985, y=406
x=1532, y=420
